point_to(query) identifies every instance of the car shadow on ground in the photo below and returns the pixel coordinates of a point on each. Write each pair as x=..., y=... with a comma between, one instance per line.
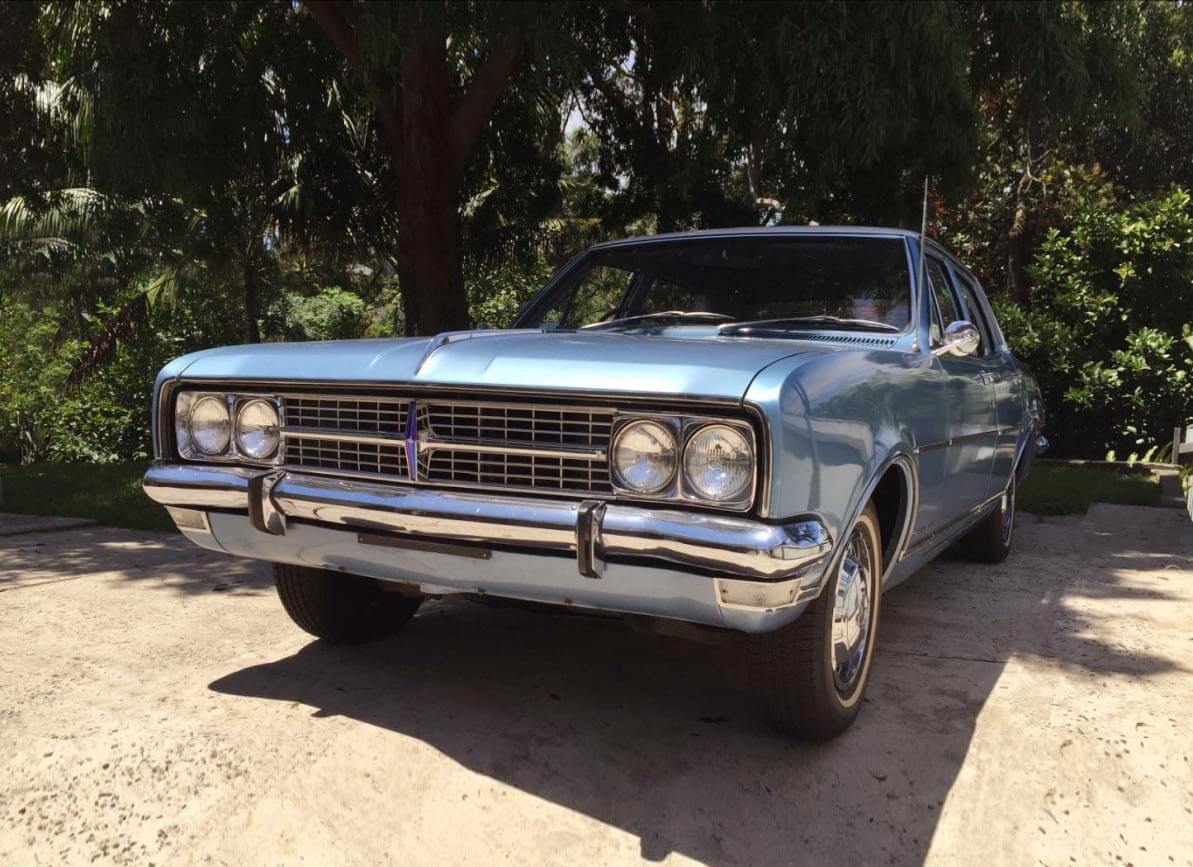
x=165, y=559
x=658, y=737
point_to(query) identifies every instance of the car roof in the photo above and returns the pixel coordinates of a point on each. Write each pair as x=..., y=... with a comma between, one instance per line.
x=761, y=232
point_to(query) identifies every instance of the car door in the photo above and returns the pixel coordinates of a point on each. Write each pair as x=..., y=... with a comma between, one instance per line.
x=1005, y=377
x=969, y=399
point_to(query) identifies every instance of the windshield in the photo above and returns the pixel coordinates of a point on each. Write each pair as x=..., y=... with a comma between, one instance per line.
x=821, y=281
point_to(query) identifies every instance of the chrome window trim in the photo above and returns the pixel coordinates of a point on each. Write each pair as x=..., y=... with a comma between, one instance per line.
x=544, y=296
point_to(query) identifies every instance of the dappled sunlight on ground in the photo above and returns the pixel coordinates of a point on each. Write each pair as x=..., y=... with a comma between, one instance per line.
x=1013, y=708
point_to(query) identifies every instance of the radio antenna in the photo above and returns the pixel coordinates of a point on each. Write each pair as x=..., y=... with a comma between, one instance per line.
x=923, y=234
x=923, y=231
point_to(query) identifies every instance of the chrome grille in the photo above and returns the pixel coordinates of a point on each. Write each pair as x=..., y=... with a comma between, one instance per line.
x=380, y=415
x=521, y=424
x=472, y=444
x=384, y=460
x=347, y=434
x=530, y=471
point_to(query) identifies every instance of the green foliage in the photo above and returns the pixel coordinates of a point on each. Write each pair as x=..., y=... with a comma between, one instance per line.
x=497, y=291
x=110, y=494
x=44, y=415
x=332, y=314
x=258, y=199
x=1107, y=323
x=1059, y=489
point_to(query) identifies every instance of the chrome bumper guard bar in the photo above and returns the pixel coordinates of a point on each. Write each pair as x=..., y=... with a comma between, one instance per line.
x=590, y=530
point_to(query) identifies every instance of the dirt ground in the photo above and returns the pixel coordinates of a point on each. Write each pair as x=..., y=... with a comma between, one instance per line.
x=157, y=706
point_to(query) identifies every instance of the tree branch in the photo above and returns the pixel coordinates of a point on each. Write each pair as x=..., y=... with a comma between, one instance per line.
x=479, y=102
x=331, y=18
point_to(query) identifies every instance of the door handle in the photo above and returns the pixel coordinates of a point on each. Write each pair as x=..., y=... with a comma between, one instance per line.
x=990, y=378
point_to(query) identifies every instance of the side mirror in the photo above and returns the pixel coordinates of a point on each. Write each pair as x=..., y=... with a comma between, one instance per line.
x=960, y=338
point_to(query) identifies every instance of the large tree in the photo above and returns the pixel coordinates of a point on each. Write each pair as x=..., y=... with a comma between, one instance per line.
x=436, y=74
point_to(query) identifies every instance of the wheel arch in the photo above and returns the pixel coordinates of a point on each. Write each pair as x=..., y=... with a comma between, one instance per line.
x=895, y=494
x=896, y=484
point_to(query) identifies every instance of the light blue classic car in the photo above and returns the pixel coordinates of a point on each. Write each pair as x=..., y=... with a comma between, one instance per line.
x=755, y=430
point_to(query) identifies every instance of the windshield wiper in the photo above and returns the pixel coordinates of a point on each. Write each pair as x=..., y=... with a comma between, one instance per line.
x=814, y=321
x=663, y=317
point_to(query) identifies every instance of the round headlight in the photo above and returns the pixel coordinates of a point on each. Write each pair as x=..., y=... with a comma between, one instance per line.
x=257, y=429
x=718, y=464
x=210, y=425
x=644, y=457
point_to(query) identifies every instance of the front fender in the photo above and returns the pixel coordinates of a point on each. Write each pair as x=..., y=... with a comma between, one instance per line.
x=837, y=422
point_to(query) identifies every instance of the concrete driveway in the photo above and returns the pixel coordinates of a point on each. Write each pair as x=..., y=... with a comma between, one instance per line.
x=156, y=705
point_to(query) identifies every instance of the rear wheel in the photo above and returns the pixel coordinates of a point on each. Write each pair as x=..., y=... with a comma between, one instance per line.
x=810, y=675
x=990, y=541
x=342, y=609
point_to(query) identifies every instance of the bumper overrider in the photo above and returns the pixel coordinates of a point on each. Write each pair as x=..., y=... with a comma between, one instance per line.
x=719, y=570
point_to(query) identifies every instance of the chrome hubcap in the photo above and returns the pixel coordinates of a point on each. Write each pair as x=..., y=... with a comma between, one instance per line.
x=851, y=612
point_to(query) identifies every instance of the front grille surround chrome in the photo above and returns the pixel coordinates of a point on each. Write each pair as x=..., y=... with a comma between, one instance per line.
x=516, y=447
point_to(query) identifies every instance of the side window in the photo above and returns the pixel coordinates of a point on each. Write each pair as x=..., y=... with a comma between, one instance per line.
x=593, y=297
x=944, y=311
x=974, y=311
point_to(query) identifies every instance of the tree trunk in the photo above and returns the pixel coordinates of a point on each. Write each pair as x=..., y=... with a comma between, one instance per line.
x=252, y=330
x=1015, y=273
x=428, y=224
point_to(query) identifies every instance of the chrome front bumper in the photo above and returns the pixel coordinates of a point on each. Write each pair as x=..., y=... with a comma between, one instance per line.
x=755, y=565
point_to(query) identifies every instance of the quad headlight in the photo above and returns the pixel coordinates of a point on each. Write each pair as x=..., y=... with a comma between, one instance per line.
x=210, y=425
x=686, y=458
x=257, y=429
x=226, y=427
x=718, y=463
x=645, y=457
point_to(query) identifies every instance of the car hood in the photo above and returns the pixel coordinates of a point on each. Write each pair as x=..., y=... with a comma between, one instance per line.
x=711, y=367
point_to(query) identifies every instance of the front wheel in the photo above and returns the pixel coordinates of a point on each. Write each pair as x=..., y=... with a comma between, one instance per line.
x=340, y=608
x=810, y=675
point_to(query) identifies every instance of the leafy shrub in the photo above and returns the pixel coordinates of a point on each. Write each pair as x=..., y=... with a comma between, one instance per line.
x=1106, y=324
x=497, y=290
x=332, y=314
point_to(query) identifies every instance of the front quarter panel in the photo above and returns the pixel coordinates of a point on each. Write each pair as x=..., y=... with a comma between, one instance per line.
x=838, y=419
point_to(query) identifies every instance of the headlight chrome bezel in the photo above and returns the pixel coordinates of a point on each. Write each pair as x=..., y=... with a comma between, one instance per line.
x=678, y=489
x=728, y=431
x=239, y=434
x=616, y=473
x=188, y=449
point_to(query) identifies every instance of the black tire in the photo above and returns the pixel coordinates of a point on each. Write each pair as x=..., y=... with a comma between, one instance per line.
x=991, y=539
x=340, y=608
x=792, y=667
